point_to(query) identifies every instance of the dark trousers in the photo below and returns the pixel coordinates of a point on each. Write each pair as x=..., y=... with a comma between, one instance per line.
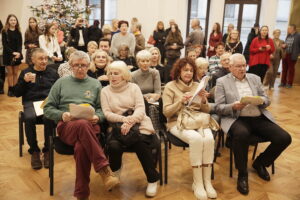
x=31, y=119
x=82, y=135
x=260, y=70
x=240, y=132
x=143, y=152
x=288, y=70
x=171, y=61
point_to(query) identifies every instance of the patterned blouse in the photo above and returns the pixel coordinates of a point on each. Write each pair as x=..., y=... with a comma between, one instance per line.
x=64, y=70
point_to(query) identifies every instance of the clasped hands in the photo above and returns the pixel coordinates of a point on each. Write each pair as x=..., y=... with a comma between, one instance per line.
x=66, y=117
x=128, y=122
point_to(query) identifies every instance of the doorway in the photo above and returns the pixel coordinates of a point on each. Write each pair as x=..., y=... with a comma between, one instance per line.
x=243, y=14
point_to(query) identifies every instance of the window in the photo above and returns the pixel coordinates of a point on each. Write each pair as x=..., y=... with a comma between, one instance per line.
x=95, y=10
x=110, y=11
x=282, y=17
x=198, y=9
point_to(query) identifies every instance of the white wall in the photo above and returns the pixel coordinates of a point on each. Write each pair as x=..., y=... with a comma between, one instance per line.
x=149, y=12
x=268, y=14
x=216, y=13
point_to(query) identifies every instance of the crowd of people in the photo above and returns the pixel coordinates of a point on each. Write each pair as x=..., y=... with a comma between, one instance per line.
x=115, y=58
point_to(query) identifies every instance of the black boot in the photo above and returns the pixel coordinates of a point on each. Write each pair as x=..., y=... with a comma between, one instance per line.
x=10, y=92
x=2, y=79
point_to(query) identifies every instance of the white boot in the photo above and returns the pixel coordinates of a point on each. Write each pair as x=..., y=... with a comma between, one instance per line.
x=198, y=187
x=211, y=192
x=151, y=189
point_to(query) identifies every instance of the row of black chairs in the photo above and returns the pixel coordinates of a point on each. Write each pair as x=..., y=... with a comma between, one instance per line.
x=168, y=139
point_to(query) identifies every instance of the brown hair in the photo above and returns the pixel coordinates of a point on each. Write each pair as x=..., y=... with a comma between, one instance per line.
x=174, y=37
x=47, y=32
x=32, y=33
x=219, y=44
x=160, y=23
x=218, y=31
x=122, y=22
x=6, y=27
x=180, y=64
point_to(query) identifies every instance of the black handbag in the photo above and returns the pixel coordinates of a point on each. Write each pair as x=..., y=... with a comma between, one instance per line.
x=131, y=137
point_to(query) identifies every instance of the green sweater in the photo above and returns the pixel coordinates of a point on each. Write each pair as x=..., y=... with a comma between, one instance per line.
x=69, y=90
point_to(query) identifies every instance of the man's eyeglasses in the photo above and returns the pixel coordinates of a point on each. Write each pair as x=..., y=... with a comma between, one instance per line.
x=77, y=66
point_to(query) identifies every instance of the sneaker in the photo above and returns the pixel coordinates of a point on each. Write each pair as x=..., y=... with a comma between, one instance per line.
x=281, y=85
x=36, y=162
x=289, y=86
x=46, y=159
x=151, y=189
x=108, y=177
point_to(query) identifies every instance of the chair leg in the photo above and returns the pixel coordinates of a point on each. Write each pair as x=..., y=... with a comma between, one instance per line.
x=231, y=160
x=222, y=137
x=166, y=161
x=254, y=151
x=212, y=172
x=51, y=165
x=219, y=136
x=273, y=168
x=160, y=165
x=170, y=145
x=21, y=135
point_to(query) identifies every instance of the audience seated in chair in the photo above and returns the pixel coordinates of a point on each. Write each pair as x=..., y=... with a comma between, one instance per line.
x=240, y=120
x=34, y=84
x=80, y=133
x=114, y=107
x=201, y=142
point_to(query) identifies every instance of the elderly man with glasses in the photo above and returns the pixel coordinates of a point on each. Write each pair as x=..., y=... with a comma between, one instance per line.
x=80, y=133
x=240, y=119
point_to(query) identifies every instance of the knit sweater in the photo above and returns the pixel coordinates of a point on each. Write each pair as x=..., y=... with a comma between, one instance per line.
x=172, y=103
x=118, y=99
x=148, y=81
x=69, y=90
x=119, y=39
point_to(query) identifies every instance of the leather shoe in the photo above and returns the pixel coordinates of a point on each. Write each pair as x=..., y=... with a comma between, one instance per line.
x=261, y=170
x=242, y=185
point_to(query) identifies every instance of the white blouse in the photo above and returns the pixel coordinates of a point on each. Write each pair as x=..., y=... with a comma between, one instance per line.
x=50, y=47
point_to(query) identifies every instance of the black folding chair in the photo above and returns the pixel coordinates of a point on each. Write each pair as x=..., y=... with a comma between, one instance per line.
x=253, y=141
x=21, y=130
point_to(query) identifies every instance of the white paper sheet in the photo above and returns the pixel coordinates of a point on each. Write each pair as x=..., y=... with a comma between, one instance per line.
x=81, y=112
x=38, y=108
x=202, y=85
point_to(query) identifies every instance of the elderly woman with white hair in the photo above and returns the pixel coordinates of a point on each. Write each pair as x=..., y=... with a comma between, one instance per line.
x=135, y=119
x=80, y=133
x=221, y=71
x=97, y=69
x=202, y=67
x=146, y=78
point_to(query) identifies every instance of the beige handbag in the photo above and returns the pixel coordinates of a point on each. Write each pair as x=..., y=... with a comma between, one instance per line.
x=189, y=119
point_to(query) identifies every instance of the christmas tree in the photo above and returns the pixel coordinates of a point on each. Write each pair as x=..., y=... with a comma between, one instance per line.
x=65, y=12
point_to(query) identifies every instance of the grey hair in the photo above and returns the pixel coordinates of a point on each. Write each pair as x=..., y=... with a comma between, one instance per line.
x=201, y=62
x=143, y=54
x=79, y=55
x=235, y=57
x=38, y=50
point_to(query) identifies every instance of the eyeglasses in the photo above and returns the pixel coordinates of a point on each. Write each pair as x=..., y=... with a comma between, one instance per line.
x=77, y=66
x=240, y=66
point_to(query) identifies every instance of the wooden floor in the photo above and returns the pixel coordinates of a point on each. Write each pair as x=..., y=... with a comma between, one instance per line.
x=19, y=181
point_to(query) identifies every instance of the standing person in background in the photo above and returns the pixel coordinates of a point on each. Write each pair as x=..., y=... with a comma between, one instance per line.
x=229, y=29
x=123, y=38
x=2, y=68
x=160, y=35
x=133, y=22
x=253, y=33
x=196, y=36
x=275, y=60
x=233, y=43
x=171, y=22
x=12, y=51
x=261, y=49
x=79, y=35
x=214, y=38
x=139, y=38
x=115, y=26
x=48, y=41
x=292, y=47
x=94, y=32
x=31, y=38
x=173, y=45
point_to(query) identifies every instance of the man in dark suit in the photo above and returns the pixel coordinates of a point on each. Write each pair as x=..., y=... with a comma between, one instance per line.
x=240, y=120
x=79, y=36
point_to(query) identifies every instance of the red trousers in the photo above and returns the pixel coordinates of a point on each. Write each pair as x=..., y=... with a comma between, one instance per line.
x=82, y=135
x=288, y=70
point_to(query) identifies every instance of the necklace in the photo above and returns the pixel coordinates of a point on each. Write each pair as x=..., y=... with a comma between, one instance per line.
x=232, y=49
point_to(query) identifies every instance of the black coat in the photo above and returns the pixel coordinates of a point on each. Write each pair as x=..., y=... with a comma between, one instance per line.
x=74, y=37
x=95, y=34
x=251, y=36
x=35, y=91
x=12, y=42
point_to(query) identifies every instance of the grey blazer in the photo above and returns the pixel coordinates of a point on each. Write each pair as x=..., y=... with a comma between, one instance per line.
x=226, y=94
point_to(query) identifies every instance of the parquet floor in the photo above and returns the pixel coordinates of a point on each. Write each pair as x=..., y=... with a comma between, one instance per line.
x=19, y=182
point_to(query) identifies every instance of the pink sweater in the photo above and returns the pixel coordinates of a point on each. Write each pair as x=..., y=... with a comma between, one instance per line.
x=115, y=101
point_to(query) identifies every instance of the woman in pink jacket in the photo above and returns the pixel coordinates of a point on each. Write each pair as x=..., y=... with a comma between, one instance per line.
x=261, y=49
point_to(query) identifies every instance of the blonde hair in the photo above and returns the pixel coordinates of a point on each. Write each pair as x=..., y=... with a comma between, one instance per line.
x=121, y=67
x=106, y=27
x=159, y=55
x=92, y=43
x=225, y=55
x=93, y=65
x=143, y=54
x=201, y=63
x=229, y=36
